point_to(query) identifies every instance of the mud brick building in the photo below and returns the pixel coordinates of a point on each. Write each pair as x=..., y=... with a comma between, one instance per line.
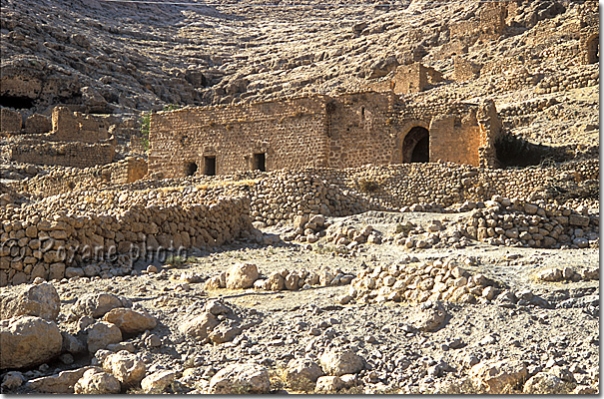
x=319, y=131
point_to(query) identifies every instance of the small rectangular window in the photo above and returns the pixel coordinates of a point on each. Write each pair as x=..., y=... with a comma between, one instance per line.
x=209, y=167
x=259, y=162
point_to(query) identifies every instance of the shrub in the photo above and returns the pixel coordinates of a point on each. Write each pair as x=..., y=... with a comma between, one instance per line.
x=368, y=186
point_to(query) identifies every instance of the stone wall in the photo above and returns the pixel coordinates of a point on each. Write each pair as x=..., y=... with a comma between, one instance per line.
x=290, y=133
x=10, y=121
x=78, y=154
x=152, y=213
x=360, y=130
x=345, y=131
x=60, y=180
x=70, y=244
x=490, y=24
x=414, y=78
x=75, y=126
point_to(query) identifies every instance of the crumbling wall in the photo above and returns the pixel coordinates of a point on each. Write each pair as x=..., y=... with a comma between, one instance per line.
x=414, y=78
x=489, y=25
x=36, y=124
x=60, y=179
x=290, y=133
x=68, y=125
x=10, y=121
x=81, y=155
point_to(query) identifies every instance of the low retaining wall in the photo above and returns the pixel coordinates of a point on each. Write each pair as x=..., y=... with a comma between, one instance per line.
x=71, y=244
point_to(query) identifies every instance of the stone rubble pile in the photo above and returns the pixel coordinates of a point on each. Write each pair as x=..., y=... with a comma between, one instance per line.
x=246, y=275
x=411, y=281
x=569, y=274
x=30, y=336
x=513, y=222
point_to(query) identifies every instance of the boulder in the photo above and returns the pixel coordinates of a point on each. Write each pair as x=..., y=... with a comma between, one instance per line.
x=329, y=384
x=240, y=379
x=28, y=341
x=241, y=275
x=12, y=380
x=130, y=321
x=158, y=381
x=40, y=300
x=543, y=383
x=275, y=282
x=430, y=317
x=225, y=332
x=498, y=377
x=101, y=334
x=126, y=367
x=338, y=363
x=97, y=382
x=63, y=382
x=96, y=305
x=200, y=326
x=301, y=372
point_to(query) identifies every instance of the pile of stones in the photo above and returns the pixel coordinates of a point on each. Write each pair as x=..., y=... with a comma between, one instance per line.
x=307, y=228
x=569, y=274
x=97, y=326
x=246, y=275
x=409, y=280
x=513, y=222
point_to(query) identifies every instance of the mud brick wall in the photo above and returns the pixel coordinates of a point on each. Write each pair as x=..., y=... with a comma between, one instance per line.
x=77, y=154
x=74, y=126
x=105, y=244
x=291, y=134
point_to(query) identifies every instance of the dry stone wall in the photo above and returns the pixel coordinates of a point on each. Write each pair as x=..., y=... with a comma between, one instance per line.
x=65, y=241
x=39, y=151
x=61, y=180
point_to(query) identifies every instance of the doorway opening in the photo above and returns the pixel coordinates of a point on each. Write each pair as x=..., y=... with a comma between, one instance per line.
x=416, y=145
x=209, y=166
x=593, y=50
x=260, y=162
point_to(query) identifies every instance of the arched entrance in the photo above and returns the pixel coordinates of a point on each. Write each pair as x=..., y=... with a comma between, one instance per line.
x=593, y=50
x=416, y=145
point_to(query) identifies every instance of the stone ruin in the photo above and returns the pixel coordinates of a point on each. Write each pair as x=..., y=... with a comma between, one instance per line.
x=69, y=138
x=320, y=131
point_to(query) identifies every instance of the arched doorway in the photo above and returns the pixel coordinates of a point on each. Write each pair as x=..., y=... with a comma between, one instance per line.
x=593, y=50
x=416, y=145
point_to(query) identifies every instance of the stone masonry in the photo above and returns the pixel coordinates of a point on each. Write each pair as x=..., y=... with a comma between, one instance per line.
x=320, y=131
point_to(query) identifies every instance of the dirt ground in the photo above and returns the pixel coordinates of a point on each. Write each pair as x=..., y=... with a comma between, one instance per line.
x=562, y=335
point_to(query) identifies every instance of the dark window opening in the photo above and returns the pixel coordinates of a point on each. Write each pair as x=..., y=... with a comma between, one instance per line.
x=363, y=112
x=593, y=50
x=191, y=168
x=260, y=162
x=416, y=145
x=209, y=167
x=16, y=102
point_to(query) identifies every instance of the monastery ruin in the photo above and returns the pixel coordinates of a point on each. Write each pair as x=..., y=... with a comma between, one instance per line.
x=320, y=131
